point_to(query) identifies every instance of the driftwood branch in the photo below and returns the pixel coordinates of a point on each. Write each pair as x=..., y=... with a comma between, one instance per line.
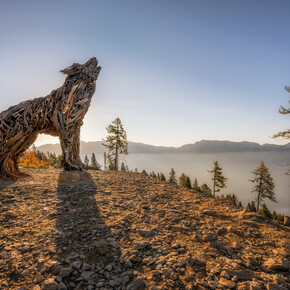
x=58, y=114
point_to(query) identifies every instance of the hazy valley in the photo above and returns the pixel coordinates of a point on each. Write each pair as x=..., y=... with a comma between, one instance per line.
x=238, y=160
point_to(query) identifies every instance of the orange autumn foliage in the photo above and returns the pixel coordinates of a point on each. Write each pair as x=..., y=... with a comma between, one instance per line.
x=29, y=160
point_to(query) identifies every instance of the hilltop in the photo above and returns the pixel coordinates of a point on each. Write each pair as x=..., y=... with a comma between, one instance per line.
x=123, y=230
x=203, y=146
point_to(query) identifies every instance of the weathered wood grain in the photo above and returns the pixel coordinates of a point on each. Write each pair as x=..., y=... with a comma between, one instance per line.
x=58, y=114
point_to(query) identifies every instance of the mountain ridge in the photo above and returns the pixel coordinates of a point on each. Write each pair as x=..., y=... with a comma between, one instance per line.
x=203, y=146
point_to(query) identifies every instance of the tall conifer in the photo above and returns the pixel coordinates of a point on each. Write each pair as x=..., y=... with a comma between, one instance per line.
x=86, y=161
x=116, y=143
x=263, y=185
x=219, y=181
x=172, y=176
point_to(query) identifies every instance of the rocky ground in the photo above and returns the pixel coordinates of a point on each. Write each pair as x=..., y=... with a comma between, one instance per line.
x=127, y=231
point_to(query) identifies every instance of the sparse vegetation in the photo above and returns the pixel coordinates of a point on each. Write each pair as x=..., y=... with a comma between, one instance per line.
x=205, y=189
x=86, y=161
x=123, y=168
x=116, y=143
x=232, y=198
x=94, y=163
x=195, y=185
x=251, y=206
x=264, y=211
x=39, y=160
x=29, y=160
x=172, y=176
x=219, y=181
x=263, y=185
x=184, y=181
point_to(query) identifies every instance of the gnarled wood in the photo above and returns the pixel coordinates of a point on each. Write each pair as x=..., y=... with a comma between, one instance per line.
x=58, y=114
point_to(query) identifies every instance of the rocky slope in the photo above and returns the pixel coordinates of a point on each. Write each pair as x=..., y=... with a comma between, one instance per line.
x=127, y=231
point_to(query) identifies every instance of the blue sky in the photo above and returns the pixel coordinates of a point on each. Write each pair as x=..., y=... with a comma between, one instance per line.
x=175, y=72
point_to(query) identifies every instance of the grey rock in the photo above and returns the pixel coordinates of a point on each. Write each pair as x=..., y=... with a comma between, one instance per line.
x=141, y=245
x=194, y=261
x=86, y=274
x=109, y=268
x=135, y=259
x=64, y=272
x=85, y=267
x=128, y=264
x=61, y=286
x=76, y=265
x=275, y=286
x=49, y=284
x=137, y=284
x=114, y=283
x=245, y=275
x=146, y=233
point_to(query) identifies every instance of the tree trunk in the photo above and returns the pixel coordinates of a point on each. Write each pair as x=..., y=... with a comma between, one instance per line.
x=116, y=157
x=259, y=196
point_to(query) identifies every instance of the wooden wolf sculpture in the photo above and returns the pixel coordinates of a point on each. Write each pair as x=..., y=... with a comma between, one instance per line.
x=58, y=114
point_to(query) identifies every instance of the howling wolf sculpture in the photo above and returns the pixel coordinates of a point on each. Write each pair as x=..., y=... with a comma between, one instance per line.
x=58, y=114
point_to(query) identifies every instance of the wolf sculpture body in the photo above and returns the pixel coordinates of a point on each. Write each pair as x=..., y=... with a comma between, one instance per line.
x=58, y=114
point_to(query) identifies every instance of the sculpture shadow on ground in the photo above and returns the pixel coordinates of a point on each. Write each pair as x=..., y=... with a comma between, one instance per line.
x=4, y=183
x=88, y=253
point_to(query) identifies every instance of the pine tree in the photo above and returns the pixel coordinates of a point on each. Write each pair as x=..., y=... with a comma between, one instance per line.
x=205, y=189
x=232, y=198
x=86, y=161
x=144, y=172
x=240, y=204
x=264, y=185
x=172, y=176
x=195, y=185
x=280, y=217
x=123, y=168
x=105, y=161
x=162, y=177
x=116, y=142
x=94, y=162
x=264, y=211
x=136, y=170
x=219, y=181
x=184, y=181
x=253, y=206
x=188, y=182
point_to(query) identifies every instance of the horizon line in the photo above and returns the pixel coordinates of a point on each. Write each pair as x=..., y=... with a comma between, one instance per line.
x=168, y=146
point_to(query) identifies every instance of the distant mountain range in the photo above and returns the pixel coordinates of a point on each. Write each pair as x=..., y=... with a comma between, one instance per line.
x=203, y=146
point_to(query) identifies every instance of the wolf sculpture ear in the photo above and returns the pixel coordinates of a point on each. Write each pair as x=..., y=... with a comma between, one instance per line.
x=91, y=62
x=73, y=69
